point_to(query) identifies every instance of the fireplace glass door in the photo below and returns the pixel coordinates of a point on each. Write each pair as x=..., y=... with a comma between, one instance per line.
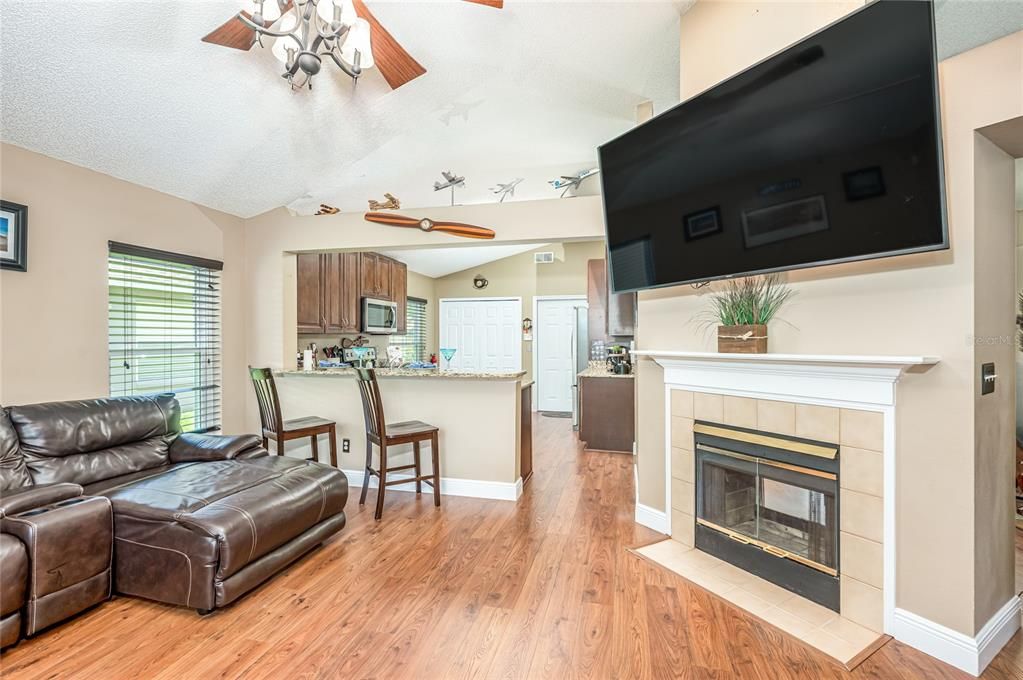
x=787, y=510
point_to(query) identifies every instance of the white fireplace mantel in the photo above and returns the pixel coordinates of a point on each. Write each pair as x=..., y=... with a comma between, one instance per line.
x=860, y=379
x=865, y=382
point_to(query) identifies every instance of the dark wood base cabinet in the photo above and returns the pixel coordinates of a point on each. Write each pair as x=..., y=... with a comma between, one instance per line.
x=526, y=434
x=607, y=413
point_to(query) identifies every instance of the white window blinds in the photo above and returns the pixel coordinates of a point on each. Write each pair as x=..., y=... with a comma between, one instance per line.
x=164, y=330
x=413, y=342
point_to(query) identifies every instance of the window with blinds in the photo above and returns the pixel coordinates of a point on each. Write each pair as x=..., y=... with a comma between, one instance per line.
x=164, y=330
x=413, y=342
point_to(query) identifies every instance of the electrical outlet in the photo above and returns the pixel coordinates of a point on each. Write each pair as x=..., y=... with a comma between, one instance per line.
x=346, y=445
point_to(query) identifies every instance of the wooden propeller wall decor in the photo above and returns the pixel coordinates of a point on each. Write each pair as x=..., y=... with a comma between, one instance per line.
x=426, y=224
x=396, y=65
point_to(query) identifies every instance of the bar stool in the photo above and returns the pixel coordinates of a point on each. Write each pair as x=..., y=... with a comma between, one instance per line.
x=280, y=430
x=384, y=434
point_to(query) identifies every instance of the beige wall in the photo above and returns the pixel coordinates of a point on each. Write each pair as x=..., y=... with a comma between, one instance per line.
x=466, y=411
x=519, y=276
x=910, y=305
x=54, y=322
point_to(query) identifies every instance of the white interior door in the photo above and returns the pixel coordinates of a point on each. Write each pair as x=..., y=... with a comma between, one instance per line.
x=485, y=334
x=555, y=366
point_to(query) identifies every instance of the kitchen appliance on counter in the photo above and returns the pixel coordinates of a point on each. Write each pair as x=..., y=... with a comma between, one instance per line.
x=379, y=317
x=580, y=357
x=360, y=357
x=619, y=361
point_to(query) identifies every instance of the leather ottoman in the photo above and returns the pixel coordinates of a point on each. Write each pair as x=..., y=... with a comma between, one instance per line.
x=202, y=535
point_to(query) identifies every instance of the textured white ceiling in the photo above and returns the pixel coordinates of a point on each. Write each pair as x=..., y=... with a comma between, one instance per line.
x=127, y=88
x=435, y=262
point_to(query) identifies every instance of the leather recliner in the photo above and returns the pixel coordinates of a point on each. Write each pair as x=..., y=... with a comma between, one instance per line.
x=198, y=519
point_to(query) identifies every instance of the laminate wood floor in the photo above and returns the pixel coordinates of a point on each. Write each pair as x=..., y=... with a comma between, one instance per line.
x=476, y=589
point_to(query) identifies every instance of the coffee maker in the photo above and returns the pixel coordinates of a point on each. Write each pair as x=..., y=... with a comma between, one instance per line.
x=618, y=360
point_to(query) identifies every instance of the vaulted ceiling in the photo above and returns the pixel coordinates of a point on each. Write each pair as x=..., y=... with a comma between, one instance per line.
x=128, y=89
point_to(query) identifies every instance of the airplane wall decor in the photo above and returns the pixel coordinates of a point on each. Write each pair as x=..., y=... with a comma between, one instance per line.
x=391, y=203
x=451, y=180
x=507, y=189
x=567, y=182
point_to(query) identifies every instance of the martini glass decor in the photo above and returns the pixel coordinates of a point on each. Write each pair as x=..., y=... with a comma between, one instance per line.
x=447, y=353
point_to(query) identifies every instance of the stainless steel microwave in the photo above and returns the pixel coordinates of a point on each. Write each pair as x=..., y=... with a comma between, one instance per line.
x=379, y=317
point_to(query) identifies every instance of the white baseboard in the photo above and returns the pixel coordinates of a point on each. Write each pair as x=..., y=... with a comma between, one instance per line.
x=969, y=654
x=449, y=486
x=654, y=519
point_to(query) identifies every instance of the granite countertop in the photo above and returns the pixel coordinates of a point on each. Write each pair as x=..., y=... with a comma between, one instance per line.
x=601, y=372
x=401, y=373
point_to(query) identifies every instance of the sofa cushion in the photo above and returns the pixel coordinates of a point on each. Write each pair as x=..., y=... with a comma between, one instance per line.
x=88, y=441
x=13, y=471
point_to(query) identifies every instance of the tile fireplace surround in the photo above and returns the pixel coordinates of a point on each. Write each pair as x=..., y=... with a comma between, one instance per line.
x=848, y=400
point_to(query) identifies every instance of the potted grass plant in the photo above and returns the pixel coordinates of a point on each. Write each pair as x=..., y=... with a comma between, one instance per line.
x=743, y=309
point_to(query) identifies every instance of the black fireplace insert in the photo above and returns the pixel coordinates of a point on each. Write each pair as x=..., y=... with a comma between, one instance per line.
x=768, y=504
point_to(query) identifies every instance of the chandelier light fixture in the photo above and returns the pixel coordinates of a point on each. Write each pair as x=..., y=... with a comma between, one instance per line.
x=304, y=32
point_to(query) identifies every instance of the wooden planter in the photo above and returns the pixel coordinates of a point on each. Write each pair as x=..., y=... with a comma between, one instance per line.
x=746, y=339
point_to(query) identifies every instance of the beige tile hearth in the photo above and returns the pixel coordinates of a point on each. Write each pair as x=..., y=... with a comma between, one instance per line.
x=845, y=641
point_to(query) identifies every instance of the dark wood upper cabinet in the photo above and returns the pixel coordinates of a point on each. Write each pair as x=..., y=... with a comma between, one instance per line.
x=311, y=317
x=351, y=299
x=368, y=282
x=341, y=292
x=610, y=314
x=331, y=287
x=399, y=293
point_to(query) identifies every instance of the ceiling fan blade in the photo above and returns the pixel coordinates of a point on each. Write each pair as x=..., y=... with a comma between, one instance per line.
x=232, y=33
x=496, y=4
x=235, y=34
x=466, y=230
x=396, y=65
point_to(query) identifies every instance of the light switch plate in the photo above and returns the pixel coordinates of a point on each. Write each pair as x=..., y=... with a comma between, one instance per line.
x=987, y=378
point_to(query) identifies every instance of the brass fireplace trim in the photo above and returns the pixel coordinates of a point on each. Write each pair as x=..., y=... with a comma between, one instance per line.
x=773, y=463
x=819, y=450
x=768, y=548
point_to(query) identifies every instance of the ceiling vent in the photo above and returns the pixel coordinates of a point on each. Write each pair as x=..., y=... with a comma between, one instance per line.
x=543, y=258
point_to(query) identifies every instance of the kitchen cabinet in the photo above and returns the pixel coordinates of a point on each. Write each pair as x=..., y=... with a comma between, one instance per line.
x=611, y=315
x=526, y=433
x=309, y=278
x=607, y=413
x=375, y=275
x=341, y=292
x=331, y=287
x=399, y=293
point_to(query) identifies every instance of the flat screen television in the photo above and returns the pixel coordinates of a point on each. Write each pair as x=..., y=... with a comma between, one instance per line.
x=826, y=152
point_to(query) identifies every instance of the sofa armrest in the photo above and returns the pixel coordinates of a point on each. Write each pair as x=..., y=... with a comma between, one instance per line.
x=36, y=496
x=189, y=448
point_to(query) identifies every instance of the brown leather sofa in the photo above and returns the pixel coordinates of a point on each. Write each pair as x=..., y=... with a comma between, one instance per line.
x=198, y=520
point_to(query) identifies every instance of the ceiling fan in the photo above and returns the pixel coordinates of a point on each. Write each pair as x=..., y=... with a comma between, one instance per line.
x=426, y=224
x=395, y=64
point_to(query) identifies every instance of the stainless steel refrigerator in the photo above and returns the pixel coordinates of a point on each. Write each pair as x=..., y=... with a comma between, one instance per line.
x=580, y=357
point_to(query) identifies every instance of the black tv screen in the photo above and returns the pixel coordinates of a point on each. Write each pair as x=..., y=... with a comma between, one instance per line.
x=826, y=152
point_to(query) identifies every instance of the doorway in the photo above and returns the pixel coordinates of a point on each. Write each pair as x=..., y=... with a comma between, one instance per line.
x=484, y=334
x=555, y=355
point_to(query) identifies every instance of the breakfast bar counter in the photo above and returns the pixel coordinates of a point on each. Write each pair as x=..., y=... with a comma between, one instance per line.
x=478, y=414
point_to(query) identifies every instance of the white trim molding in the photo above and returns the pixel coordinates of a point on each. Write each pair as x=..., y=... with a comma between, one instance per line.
x=969, y=654
x=651, y=518
x=449, y=486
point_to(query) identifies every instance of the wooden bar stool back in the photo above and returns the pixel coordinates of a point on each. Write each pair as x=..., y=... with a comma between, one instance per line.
x=280, y=430
x=384, y=434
